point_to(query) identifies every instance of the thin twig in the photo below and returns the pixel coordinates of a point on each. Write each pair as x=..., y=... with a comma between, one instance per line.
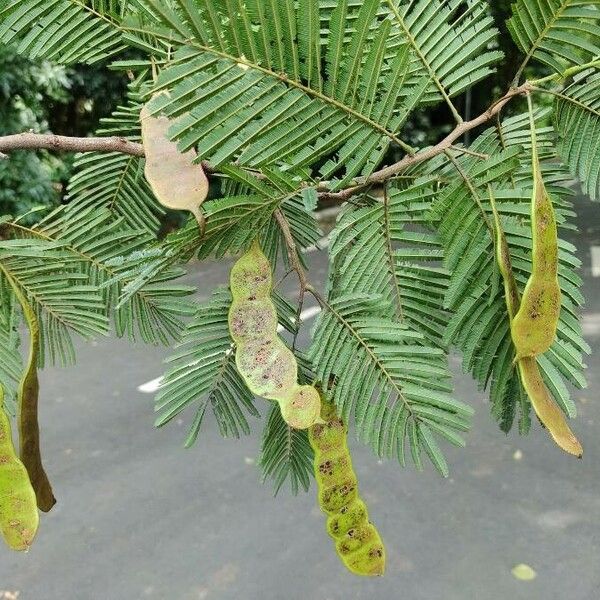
x=431, y=152
x=34, y=141
x=292, y=250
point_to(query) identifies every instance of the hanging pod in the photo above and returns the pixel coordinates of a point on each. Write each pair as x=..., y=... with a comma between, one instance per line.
x=544, y=405
x=266, y=364
x=177, y=180
x=357, y=541
x=19, y=517
x=27, y=405
x=534, y=326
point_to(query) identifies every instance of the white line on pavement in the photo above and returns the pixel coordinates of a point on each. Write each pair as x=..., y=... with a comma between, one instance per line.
x=150, y=387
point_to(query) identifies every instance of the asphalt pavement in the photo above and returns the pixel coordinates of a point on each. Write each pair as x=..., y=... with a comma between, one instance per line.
x=140, y=517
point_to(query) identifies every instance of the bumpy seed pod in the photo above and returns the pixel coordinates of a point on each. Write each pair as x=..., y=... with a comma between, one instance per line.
x=544, y=405
x=357, y=541
x=534, y=326
x=267, y=365
x=19, y=517
x=176, y=180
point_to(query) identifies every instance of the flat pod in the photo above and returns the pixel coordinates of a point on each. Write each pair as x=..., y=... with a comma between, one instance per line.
x=357, y=540
x=302, y=407
x=19, y=517
x=252, y=320
x=268, y=367
x=544, y=405
x=178, y=182
x=266, y=364
x=251, y=275
x=534, y=326
x=546, y=408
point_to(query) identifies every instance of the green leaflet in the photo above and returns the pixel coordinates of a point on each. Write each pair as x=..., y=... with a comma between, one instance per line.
x=19, y=517
x=267, y=365
x=27, y=401
x=544, y=405
x=534, y=326
x=357, y=541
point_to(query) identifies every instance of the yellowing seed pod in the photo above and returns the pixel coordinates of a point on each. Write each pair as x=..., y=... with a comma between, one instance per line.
x=267, y=365
x=19, y=517
x=534, y=326
x=544, y=405
x=357, y=541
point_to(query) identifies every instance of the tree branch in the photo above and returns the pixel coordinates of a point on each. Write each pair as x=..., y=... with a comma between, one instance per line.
x=386, y=173
x=61, y=143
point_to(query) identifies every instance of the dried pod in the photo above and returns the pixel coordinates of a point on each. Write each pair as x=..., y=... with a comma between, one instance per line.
x=357, y=541
x=19, y=517
x=178, y=182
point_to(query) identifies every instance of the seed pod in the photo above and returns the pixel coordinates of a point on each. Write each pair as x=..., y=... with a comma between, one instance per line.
x=19, y=517
x=178, y=182
x=267, y=365
x=544, y=405
x=357, y=541
x=29, y=429
x=534, y=326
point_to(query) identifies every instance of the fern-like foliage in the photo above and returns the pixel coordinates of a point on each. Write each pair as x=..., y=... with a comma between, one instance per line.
x=66, y=31
x=450, y=41
x=577, y=119
x=387, y=377
x=90, y=239
x=381, y=247
x=41, y=271
x=558, y=33
x=10, y=356
x=254, y=91
x=116, y=181
x=204, y=373
x=286, y=454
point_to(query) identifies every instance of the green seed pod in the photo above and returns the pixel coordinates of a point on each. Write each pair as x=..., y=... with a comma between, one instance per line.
x=19, y=517
x=534, y=326
x=251, y=275
x=267, y=365
x=544, y=405
x=301, y=408
x=357, y=541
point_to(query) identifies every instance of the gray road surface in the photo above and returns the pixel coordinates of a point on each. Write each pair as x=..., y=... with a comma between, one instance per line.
x=139, y=517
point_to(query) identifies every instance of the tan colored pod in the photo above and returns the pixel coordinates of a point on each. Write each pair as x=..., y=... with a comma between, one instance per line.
x=178, y=182
x=19, y=517
x=357, y=540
